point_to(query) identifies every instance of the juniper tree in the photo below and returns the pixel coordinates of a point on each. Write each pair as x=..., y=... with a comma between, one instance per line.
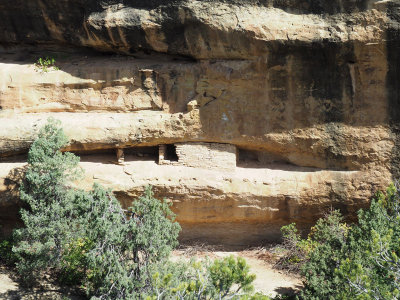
x=87, y=235
x=372, y=265
x=48, y=219
x=358, y=261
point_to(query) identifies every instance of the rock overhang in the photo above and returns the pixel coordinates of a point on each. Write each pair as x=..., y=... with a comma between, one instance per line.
x=312, y=84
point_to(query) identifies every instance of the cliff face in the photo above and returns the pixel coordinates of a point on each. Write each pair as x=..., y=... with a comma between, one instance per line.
x=307, y=92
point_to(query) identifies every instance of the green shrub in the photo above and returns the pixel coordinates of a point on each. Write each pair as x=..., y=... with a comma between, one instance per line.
x=45, y=64
x=7, y=256
x=74, y=262
x=352, y=262
x=228, y=272
x=126, y=248
x=329, y=237
x=371, y=267
x=227, y=278
x=87, y=236
x=297, y=249
x=50, y=220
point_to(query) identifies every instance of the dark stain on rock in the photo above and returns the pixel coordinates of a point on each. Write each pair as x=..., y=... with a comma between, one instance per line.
x=173, y=31
x=321, y=74
x=320, y=6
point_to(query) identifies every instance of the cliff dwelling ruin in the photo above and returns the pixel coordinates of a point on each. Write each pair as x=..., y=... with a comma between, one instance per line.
x=224, y=157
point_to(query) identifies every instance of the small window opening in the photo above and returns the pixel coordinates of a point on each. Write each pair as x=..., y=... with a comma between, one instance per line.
x=171, y=153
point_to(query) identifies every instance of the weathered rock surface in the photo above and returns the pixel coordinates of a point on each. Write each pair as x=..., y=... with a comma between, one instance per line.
x=311, y=86
x=241, y=207
x=199, y=29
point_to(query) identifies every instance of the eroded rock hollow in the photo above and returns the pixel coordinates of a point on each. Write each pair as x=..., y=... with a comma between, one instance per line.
x=246, y=114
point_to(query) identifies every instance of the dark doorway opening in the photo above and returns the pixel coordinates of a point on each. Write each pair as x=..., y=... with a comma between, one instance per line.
x=170, y=153
x=247, y=156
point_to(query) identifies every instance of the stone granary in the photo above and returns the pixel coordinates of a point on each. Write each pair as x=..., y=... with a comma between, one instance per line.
x=199, y=155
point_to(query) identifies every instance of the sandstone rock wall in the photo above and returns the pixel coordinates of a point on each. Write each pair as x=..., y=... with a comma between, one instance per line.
x=308, y=89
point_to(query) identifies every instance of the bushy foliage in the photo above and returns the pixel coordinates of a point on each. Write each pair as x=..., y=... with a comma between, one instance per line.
x=74, y=261
x=353, y=262
x=86, y=236
x=371, y=267
x=128, y=245
x=329, y=237
x=228, y=272
x=227, y=278
x=50, y=222
x=45, y=64
x=297, y=249
x=7, y=256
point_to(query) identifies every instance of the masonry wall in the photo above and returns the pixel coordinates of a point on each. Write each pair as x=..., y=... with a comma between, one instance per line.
x=207, y=155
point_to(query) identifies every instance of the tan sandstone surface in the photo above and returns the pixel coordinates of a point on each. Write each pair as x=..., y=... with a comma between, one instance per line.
x=307, y=92
x=237, y=208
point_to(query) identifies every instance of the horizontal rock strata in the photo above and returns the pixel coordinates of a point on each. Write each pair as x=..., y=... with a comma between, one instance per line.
x=304, y=93
x=250, y=203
